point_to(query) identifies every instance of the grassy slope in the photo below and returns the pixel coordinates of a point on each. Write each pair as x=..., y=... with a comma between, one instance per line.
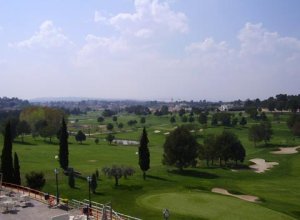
x=278, y=188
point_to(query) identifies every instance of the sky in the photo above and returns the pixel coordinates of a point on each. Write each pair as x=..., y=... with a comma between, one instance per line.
x=150, y=49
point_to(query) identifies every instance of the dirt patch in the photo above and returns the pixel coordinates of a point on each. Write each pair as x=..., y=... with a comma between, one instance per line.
x=286, y=150
x=261, y=165
x=248, y=198
x=92, y=161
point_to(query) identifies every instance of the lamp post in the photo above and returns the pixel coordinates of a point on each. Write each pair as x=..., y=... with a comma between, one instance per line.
x=89, y=179
x=57, y=193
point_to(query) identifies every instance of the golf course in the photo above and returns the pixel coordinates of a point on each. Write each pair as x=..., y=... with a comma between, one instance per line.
x=267, y=187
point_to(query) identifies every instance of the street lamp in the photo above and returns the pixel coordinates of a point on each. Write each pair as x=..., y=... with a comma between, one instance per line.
x=89, y=179
x=57, y=193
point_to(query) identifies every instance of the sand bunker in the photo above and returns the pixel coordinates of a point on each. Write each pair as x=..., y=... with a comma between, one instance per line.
x=92, y=161
x=261, y=165
x=286, y=150
x=248, y=198
x=167, y=133
x=156, y=131
x=192, y=131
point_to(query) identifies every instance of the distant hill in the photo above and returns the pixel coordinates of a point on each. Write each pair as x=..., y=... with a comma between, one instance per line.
x=7, y=104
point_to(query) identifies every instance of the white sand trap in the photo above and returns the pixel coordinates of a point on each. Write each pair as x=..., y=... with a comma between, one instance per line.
x=192, y=131
x=261, y=165
x=167, y=133
x=201, y=130
x=286, y=150
x=92, y=161
x=157, y=131
x=248, y=198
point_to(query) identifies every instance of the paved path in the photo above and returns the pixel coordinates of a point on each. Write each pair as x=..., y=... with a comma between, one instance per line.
x=37, y=211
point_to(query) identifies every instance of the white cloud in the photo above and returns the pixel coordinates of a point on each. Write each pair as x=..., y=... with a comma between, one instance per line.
x=148, y=15
x=98, y=17
x=144, y=33
x=48, y=36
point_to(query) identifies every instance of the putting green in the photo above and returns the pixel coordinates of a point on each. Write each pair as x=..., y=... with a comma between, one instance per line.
x=206, y=205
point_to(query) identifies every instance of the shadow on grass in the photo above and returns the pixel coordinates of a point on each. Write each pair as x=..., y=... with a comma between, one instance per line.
x=269, y=145
x=99, y=193
x=129, y=188
x=24, y=143
x=296, y=213
x=158, y=178
x=194, y=173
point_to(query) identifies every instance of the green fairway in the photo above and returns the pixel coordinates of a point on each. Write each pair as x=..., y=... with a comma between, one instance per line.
x=203, y=205
x=187, y=194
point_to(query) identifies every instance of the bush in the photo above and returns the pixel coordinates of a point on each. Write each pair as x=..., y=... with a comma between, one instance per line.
x=35, y=180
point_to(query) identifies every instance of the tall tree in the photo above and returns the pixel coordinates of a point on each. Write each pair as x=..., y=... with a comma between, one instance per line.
x=17, y=175
x=180, y=148
x=144, y=154
x=63, y=146
x=6, y=156
x=94, y=183
x=23, y=128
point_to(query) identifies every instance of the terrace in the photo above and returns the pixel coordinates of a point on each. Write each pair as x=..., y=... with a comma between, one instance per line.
x=22, y=203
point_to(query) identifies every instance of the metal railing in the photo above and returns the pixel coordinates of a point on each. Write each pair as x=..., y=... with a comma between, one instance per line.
x=98, y=210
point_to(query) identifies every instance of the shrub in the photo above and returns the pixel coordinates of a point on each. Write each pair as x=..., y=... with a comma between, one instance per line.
x=35, y=180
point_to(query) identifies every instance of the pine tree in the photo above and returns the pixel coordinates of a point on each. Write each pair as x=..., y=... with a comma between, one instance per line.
x=63, y=146
x=6, y=156
x=17, y=175
x=144, y=154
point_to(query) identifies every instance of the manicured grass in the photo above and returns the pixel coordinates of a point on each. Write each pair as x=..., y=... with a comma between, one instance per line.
x=203, y=205
x=278, y=188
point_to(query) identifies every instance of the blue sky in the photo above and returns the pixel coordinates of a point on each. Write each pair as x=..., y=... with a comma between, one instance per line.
x=142, y=49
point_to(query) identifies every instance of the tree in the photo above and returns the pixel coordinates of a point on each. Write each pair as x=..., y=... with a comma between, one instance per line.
x=35, y=180
x=191, y=119
x=202, y=118
x=100, y=119
x=184, y=118
x=172, y=119
x=180, y=148
x=80, y=136
x=143, y=120
x=207, y=151
x=17, y=175
x=132, y=122
x=63, y=146
x=94, y=183
x=254, y=134
x=127, y=171
x=266, y=129
x=115, y=118
x=243, y=121
x=6, y=156
x=108, y=113
x=230, y=147
x=234, y=121
x=110, y=137
x=120, y=125
x=144, y=154
x=96, y=140
x=114, y=171
x=214, y=120
x=293, y=123
x=181, y=112
x=110, y=126
x=23, y=128
x=71, y=179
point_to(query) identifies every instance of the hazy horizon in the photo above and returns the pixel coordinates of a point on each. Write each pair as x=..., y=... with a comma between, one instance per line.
x=150, y=49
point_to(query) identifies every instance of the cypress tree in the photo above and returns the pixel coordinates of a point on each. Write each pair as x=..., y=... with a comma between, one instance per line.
x=94, y=183
x=17, y=175
x=63, y=146
x=6, y=156
x=144, y=154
